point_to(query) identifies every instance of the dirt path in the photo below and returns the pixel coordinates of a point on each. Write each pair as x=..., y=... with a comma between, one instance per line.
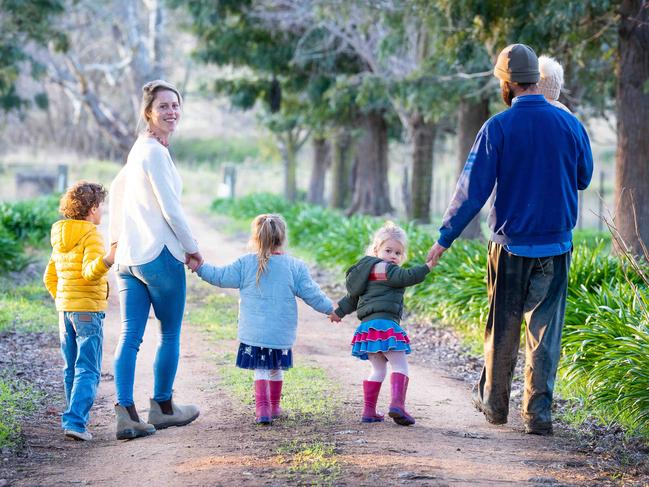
x=450, y=445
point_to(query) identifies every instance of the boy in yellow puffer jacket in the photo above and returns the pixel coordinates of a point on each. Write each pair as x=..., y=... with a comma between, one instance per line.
x=76, y=278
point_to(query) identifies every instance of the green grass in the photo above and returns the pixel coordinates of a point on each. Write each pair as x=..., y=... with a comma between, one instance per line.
x=17, y=401
x=215, y=314
x=214, y=151
x=27, y=308
x=96, y=171
x=308, y=394
x=314, y=459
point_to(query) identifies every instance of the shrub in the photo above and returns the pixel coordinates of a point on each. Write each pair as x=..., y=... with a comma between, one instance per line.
x=30, y=221
x=12, y=257
x=24, y=223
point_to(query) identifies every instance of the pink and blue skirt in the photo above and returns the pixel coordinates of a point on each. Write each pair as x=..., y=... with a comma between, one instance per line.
x=379, y=335
x=251, y=357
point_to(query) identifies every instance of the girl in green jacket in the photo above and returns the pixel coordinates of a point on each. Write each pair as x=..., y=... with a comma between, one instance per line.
x=375, y=288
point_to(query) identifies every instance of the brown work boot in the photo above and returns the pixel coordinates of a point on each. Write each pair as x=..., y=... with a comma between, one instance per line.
x=539, y=428
x=488, y=414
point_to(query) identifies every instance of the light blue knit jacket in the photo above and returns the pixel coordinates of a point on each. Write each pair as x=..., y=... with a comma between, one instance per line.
x=268, y=311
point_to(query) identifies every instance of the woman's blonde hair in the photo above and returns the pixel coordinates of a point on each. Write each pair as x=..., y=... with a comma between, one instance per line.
x=268, y=234
x=389, y=231
x=149, y=92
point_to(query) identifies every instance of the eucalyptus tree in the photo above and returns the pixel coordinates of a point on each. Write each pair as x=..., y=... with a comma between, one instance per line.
x=93, y=59
x=115, y=47
x=632, y=157
x=374, y=33
x=464, y=49
x=23, y=25
x=360, y=107
x=604, y=46
x=405, y=61
x=233, y=33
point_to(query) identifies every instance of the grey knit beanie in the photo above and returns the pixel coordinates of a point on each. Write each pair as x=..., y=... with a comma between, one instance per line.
x=517, y=63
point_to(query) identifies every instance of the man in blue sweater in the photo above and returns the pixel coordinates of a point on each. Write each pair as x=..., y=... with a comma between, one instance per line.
x=537, y=157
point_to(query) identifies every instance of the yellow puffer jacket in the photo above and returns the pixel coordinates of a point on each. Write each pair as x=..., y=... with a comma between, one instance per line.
x=76, y=274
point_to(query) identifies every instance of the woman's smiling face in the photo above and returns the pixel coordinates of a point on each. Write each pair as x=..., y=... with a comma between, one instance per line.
x=165, y=112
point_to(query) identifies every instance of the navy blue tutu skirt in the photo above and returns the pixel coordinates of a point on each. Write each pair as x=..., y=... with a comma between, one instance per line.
x=251, y=357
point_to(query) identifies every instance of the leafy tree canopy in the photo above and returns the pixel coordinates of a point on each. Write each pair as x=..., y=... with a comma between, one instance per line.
x=24, y=23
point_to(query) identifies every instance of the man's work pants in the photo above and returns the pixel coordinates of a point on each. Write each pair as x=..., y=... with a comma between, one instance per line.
x=534, y=289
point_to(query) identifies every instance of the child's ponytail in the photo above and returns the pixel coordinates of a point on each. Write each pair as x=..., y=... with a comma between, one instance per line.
x=268, y=236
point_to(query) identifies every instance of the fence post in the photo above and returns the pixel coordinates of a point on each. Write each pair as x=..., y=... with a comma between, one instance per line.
x=62, y=178
x=580, y=219
x=230, y=179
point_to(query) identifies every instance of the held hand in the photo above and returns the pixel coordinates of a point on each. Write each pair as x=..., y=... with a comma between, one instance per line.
x=334, y=318
x=434, y=255
x=109, y=258
x=194, y=261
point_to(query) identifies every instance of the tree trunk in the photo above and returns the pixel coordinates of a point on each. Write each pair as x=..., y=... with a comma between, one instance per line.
x=371, y=191
x=632, y=157
x=472, y=115
x=422, y=134
x=341, y=169
x=289, y=153
x=321, y=162
x=155, y=41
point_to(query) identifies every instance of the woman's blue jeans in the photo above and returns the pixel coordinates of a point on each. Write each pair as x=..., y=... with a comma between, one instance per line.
x=81, y=335
x=161, y=284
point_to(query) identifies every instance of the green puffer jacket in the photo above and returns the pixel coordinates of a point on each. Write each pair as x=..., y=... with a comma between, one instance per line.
x=375, y=289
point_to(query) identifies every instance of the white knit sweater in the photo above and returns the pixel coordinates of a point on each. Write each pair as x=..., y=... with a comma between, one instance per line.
x=145, y=210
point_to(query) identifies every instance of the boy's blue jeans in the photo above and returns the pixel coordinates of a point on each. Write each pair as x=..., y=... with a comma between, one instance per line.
x=81, y=336
x=161, y=284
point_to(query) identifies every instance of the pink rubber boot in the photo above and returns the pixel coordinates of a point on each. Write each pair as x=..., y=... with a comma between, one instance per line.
x=399, y=383
x=275, y=398
x=262, y=402
x=371, y=391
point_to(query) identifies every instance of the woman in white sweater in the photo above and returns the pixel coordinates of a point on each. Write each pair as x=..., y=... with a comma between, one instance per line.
x=153, y=242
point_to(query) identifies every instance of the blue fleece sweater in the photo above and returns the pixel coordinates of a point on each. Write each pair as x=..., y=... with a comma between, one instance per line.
x=538, y=157
x=268, y=311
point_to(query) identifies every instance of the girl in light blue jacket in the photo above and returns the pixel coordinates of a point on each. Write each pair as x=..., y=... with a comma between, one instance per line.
x=268, y=280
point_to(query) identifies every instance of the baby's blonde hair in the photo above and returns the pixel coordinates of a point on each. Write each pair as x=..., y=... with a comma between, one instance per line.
x=268, y=234
x=389, y=231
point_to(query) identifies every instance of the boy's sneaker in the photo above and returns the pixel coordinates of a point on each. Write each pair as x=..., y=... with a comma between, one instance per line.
x=77, y=435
